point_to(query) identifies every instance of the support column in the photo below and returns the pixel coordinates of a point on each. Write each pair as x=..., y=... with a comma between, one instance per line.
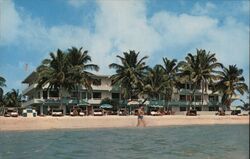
x=64, y=109
x=41, y=109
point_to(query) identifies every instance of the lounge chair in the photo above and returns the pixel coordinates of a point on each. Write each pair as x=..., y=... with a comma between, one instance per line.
x=155, y=113
x=123, y=112
x=220, y=113
x=57, y=112
x=192, y=113
x=98, y=112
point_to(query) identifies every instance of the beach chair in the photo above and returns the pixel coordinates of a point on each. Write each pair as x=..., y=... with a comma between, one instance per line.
x=191, y=112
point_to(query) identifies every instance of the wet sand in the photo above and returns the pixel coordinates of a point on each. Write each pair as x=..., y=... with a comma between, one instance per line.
x=68, y=122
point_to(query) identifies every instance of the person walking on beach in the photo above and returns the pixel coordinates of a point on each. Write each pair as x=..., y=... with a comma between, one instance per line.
x=140, y=117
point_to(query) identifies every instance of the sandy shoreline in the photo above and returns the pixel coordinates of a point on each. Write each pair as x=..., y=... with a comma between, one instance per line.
x=67, y=122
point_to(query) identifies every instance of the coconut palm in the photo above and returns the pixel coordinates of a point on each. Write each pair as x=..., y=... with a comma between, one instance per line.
x=200, y=69
x=208, y=69
x=12, y=98
x=54, y=72
x=78, y=61
x=155, y=83
x=170, y=68
x=129, y=74
x=231, y=82
x=2, y=84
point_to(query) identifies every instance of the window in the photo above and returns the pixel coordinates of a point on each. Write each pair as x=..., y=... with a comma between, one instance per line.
x=97, y=82
x=38, y=94
x=213, y=98
x=197, y=98
x=54, y=93
x=97, y=95
x=189, y=97
x=45, y=95
x=185, y=97
x=115, y=95
x=74, y=94
x=182, y=98
x=210, y=87
x=84, y=95
x=182, y=86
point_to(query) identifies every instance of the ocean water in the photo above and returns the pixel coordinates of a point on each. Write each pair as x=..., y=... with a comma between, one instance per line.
x=175, y=142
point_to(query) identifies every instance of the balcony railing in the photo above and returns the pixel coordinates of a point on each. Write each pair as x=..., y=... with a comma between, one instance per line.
x=102, y=87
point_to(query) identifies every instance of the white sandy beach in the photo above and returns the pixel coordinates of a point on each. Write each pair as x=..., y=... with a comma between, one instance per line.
x=67, y=122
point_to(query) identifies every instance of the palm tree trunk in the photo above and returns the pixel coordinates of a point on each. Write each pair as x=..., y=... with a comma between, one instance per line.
x=202, y=92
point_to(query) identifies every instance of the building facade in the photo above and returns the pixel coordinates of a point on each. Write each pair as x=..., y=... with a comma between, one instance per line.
x=42, y=99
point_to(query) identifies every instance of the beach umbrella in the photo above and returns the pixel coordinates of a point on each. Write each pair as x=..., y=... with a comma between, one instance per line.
x=108, y=106
x=83, y=103
x=133, y=103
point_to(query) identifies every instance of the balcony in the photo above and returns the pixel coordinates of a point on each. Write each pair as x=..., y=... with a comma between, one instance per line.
x=32, y=102
x=29, y=88
x=101, y=87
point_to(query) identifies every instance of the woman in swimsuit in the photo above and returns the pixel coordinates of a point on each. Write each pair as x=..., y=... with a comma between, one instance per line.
x=140, y=117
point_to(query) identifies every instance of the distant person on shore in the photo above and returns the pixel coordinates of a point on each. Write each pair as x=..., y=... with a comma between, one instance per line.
x=140, y=117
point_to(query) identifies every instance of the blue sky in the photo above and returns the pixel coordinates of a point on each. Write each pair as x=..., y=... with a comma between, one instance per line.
x=31, y=29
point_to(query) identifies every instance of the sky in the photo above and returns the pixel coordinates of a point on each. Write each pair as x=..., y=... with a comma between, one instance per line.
x=31, y=29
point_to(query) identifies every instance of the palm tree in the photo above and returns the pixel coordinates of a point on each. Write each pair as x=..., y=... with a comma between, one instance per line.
x=155, y=83
x=170, y=69
x=208, y=70
x=2, y=84
x=200, y=69
x=54, y=72
x=79, y=64
x=129, y=74
x=231, y=82
x=12, y=98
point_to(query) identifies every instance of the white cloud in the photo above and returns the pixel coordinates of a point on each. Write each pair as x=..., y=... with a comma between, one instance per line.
x=77, y=3
x=121, y=26
x=181, y=30
x=9, y=22
x=64, y=37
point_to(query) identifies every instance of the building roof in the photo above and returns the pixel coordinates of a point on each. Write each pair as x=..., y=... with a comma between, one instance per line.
x=31, y=78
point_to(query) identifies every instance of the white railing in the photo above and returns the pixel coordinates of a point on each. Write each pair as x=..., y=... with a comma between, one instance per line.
x=94, y=101
x=102, y=87
x=32, y=101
